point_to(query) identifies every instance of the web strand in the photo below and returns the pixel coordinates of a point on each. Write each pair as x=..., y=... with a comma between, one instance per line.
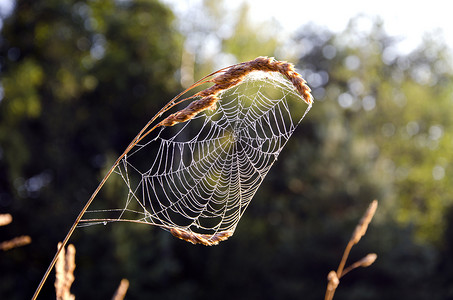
x=213, y=164
x=198, y=177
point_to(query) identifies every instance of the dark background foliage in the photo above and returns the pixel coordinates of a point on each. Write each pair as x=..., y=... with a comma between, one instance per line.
x=80, y=79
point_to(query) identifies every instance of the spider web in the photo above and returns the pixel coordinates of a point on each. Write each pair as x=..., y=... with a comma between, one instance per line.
x=200, y=176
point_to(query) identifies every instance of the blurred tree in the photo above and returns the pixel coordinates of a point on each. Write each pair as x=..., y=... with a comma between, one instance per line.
x=247, y=37
x=382, y=131
x=396, y=109
x=217, y=35
x=79, y=79
x=203, y=24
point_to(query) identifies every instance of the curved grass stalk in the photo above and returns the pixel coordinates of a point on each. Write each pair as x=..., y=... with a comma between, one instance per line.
x=144, y=132
x=228, y=77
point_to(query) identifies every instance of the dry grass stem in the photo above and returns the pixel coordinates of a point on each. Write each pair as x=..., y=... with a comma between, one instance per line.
x=19, y=241
x=64, y=269
x=15, y=242
x=332, y=284
x=233, y=76
x=364, y=262
x=5, y=219
x=222, y=79
x=122, y=290
x=360, y=230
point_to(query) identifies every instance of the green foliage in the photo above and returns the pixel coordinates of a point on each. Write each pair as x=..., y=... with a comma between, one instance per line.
x=382, y=131
x=80, y=79
x=387, y=115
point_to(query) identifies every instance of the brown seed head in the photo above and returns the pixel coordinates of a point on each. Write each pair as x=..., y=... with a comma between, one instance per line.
x=122, y=290
x=15, y=242
x=64, y=269
x=233, y=76
x=361, y=228
x=5, y=219
x=368, y=260
x=197, y=238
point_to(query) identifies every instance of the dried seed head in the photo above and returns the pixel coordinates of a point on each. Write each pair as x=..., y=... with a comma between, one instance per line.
x=233, y=76
x=15, y=242
x=364, y=262
x=64, y=269
x=5, y=219
x=361, y=228
x=208, y=102
x=368, y=260
x=122, y=290
x=197, y=238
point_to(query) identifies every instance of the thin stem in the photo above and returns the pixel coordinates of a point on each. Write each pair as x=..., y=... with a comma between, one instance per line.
x=76, y=222
x=351, y=267
x=344, y=258
x=340, y=269
x=329, y=294
x=134, y=142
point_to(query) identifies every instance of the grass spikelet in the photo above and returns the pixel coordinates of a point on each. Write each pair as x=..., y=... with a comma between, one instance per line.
x=204, y=239
x=5, y=219
x=19, y=241
x=64, y=269
x=333, y=279
x=122, y=290
x=204, y=100
x=361, y=228
x=364, y=262
x=232, y=76
x=15, y=242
